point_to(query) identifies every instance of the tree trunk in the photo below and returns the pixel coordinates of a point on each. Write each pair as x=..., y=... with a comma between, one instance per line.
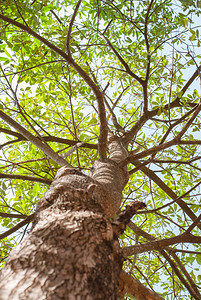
x=70, y=252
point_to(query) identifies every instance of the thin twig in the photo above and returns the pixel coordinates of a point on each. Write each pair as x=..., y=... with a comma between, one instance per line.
x=150, y=114
x=20, y=13
x=151, y=174
x=172, y=202
x=71, y=26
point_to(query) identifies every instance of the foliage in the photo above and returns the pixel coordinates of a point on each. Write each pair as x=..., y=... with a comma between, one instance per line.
x=144, y=58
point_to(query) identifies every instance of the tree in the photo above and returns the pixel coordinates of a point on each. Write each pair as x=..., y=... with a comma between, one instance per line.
x=105, y=95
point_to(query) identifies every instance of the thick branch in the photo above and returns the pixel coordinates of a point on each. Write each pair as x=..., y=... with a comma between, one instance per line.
x=16, y=227
x=97, y=92
x=119, y=224
x=161, y=244
x=17, y=216
x=195, y=223
x=129, y=285
x=45, y=148
x=50, y=138
x=193, y=291
x=24, y=177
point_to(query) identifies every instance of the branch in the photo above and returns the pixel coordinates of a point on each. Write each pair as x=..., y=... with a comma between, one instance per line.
x=128, y=136
x=97, y=92
x=190, y=228
x=184, y=251
x=10, y=132
x=129, y=285
x=119, y=224
x=29, y=136
x=36, y=66
x=51, y=138
x=71, y=150
x=174, y=201
x=168, y=191
x=17, y=216
x=126, y=66
x=24, y=177
x=119, y=97
x=145, y=96
x=176, y=103
x=37, y=36
x=189, y=122
x=174, y=141
x=195, y=142
x=114, y=118
x=172, y=161
x=21, y=110
x=132, y=159
x=70, y=27
x=125, y=16
x=176, y=123
x=9, y=143
x=136, y=169
x=18, y=226
x=19, y=12
x=161, y=244
x=149, y=237
x=179, y=275
x=196, y=292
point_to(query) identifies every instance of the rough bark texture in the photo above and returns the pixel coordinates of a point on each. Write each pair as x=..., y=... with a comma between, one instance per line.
x=70, y=252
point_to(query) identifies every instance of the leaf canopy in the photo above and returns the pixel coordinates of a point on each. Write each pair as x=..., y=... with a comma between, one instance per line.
x=143, y=58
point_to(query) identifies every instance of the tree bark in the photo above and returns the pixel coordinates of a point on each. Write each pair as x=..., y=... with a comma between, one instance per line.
x=71, y=252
